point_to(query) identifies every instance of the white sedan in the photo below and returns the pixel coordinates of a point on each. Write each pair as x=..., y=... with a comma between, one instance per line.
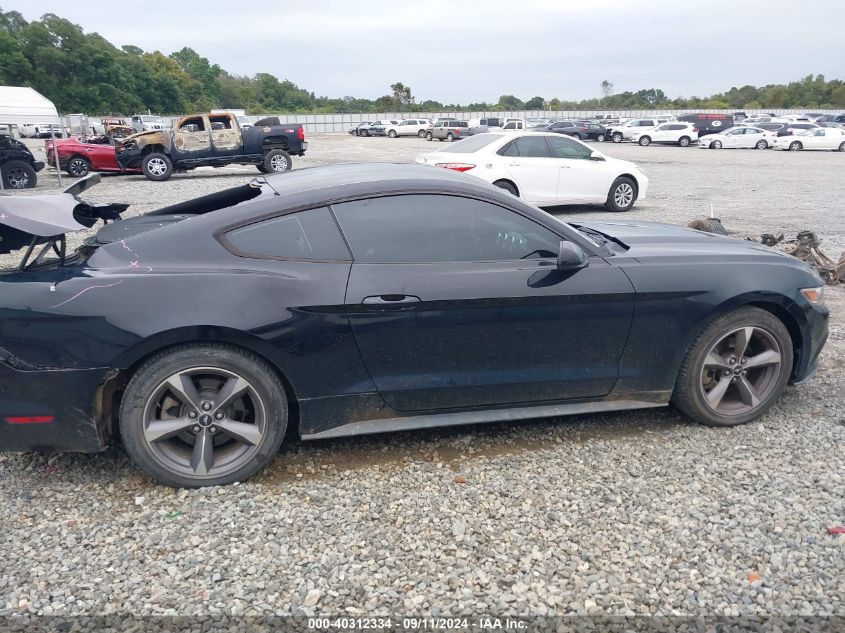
x=545, y=169
x=829, y=138
x=743, y=136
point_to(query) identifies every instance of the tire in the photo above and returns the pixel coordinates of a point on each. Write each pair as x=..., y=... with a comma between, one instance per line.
x=684, y=141
x=277, y=161
x=260, y=414
x=356, y=133
x=622, y=195
x=18, y=175
x=600, y=138
x=795, y=146
x=645, y=141
x=421, y=134
x=763, y=144
x=261, y=168
x=768, y=380
x=576, y=136
x=716, y=145
x=507, y=186
x=429, y=137
x=617, y=137
x=392, y=133
x=78, y=166
x=450, y=137
x=842, y=147
x=364, y=133
x=157, y=166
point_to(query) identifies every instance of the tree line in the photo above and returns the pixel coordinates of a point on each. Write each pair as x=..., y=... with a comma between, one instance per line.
x=83, y=72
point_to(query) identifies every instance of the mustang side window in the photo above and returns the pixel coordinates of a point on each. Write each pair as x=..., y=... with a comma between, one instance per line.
x=310, y=234
x=440, y=228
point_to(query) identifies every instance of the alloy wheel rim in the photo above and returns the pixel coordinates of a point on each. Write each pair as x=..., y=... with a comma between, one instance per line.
x=204, y=422
x=17, y=178
x=624, y=195
x=157, y=167
x=741, y=371
x=78, y=167
x=278, y=163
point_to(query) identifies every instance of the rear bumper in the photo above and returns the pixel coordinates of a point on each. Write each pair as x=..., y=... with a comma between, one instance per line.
x=51, y=410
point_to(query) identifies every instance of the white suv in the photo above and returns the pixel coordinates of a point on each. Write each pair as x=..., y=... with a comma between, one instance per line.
x=675, y=132
x=409, y=127
x=629, y=128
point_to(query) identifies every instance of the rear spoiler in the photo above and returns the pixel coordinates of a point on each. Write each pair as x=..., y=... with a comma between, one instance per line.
x=46, y=219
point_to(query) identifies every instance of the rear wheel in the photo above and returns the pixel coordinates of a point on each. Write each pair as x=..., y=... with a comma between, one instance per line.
x=684, y=141
x=18, y=175
x=450, y=137
x=429, y=137
x=421, y=134
x=277, y=161
x=507, y=186
x=600, y=138
x=645, y=140
x=157, y=166
x=576, y=136
x=364, y=133
x=78, y=166
x=762, y=144
x=203, y=415
x=622, y=194
x=736, y=369
x=795, y=146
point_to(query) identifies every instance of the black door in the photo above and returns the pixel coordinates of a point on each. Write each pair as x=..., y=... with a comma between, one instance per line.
x=456, y=302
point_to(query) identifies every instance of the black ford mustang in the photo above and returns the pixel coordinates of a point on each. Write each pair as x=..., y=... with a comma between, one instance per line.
x=367, y=298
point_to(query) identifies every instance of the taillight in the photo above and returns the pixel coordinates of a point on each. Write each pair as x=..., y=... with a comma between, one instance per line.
x=695, y=129
x=456, y=166
x=301, y=133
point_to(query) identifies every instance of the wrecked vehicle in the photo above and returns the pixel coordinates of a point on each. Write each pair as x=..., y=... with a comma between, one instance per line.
x=18, y=166
x=114, y=127
x=80, y=155
x=215, y=140
x=368, y=298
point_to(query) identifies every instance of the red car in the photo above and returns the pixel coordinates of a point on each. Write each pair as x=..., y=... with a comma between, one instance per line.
x=80, y=155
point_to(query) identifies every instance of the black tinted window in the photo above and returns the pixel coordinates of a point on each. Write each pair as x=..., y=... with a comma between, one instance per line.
x=309, y=234
x=532, y=147
x=435, y=228
x=565, y=147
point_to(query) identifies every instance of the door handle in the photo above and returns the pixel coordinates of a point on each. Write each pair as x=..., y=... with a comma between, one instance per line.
x=565, y=166
x=513, y=164
x=388, y=300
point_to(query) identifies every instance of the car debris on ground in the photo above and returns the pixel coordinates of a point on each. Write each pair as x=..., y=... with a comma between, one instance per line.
x=804, y=246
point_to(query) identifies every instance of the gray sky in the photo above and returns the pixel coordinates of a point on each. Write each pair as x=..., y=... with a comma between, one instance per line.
x=465, y=51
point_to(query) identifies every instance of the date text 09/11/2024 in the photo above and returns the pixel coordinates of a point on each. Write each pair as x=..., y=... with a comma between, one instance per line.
x=416, y=624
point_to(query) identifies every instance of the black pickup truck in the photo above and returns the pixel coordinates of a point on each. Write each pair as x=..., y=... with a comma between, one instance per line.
x=214, y=140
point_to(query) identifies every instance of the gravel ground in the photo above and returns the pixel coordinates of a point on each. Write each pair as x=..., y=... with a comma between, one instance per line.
x=630, y=513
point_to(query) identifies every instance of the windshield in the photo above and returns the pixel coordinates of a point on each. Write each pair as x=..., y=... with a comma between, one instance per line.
x=472, y=144
x=151, y=119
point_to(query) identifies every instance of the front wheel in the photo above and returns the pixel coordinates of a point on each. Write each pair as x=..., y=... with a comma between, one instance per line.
x=600, y=138
x=157, y=166
x=617, y=137
x=277, y=161
x=716, y=145
x=576, y=136
x=644, y=141
x=392, y=133
x=203, y=415
x=364, y=133
x=17, y=174
x=622, y=194
x=842, y=147
x=736, y=369
x=794, y=146
x=78, y=166
x=684, y=141
x=429, y=137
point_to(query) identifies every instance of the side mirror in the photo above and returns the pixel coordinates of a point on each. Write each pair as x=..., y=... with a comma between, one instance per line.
x=570, y=256
x=596, y=155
